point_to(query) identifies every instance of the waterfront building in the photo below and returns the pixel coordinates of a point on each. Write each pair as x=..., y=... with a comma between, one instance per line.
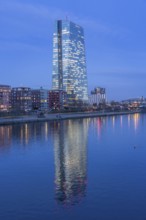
x=5, y=92
x=69, y=63
x=98, y=96
x=134, y=103
x=57, y=99
x=40, y=99
x=21, y=99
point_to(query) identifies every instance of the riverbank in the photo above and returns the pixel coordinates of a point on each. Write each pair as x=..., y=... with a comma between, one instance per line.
x=59, y=116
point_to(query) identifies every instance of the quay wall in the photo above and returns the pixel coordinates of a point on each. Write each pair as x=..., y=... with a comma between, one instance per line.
x=59, y=116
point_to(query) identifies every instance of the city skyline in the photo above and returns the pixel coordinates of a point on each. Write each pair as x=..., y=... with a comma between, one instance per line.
x=114, y=36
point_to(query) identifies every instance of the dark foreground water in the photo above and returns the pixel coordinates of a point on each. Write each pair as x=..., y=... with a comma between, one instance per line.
x=74, y=169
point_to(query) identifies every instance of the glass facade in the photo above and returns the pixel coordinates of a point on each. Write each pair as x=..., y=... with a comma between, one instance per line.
x=69, y=63
x=40, y=99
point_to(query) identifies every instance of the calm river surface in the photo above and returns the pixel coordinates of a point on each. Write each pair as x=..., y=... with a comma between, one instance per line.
x=74, y=169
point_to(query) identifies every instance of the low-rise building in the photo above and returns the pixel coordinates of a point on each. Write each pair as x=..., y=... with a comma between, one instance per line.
x=40, y=99
x=5, y=92
x=57, y=99
x=21, y=99
x=98, y=96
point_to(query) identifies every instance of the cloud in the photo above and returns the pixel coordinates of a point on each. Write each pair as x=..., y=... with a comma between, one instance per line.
x=17, y=46
x=99, y=27
x=35, y=10
x=45, y=13
x=19, y=20
x=25, y=25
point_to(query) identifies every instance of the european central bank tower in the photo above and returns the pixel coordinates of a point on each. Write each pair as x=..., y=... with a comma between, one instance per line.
x=69, y=62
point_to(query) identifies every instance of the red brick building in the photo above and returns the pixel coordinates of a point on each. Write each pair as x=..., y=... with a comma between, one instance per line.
x=57, y=99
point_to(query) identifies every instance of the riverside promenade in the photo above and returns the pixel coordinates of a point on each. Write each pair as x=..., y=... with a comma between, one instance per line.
x=59, y=116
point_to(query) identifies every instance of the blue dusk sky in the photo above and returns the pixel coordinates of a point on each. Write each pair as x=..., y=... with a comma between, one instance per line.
x=115, y=40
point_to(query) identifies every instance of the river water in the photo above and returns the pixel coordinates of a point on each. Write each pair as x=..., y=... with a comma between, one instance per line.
x=91, y=168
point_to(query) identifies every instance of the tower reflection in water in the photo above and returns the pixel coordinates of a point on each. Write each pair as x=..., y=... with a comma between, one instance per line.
x=70, y=150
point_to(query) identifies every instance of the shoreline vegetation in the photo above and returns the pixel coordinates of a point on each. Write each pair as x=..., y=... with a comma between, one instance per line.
x=59, y=116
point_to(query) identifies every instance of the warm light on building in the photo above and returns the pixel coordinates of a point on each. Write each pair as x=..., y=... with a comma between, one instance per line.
x=5, y=92
x=57, y=99
x=21, y=99
x=40, y=99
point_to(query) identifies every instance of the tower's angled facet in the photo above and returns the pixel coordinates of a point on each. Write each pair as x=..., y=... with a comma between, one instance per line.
x=69, y=63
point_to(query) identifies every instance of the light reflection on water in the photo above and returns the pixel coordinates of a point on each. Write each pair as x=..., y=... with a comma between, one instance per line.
x=70, y=151
x=94, y=164
x=25, y=132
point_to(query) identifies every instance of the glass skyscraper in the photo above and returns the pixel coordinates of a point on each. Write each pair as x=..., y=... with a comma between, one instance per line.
x=69, y=63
